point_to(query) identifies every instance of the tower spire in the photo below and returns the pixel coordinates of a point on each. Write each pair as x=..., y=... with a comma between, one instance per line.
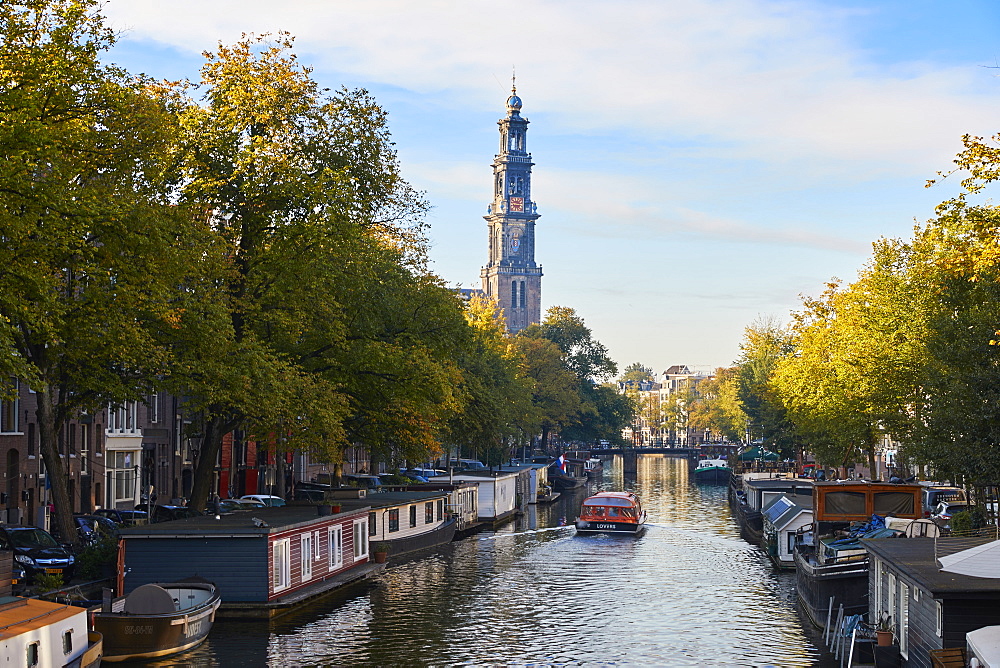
x=513, y=80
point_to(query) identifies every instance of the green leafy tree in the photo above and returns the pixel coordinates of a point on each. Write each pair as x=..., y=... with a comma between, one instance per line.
x=636, y=372
x=91, y=247
x=718, y=408
x=765, y=342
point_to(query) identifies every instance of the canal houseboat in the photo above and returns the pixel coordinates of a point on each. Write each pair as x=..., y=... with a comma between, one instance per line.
x=921, y=587
x=156, y=620
x=714, y=471
x=611, y=512
x=750, y=493
x=263, y=562
x=497, y=493
x=783, y=518
x=831, y=561
x=407, y=521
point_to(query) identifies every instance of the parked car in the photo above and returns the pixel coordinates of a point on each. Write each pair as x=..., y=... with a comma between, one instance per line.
x=266, y=499
x=89, y=528
x=37, y=551
x=310, y=491
x=169, y=513
x=125, y=518
x=934, y=495
x=945, y=510
x=232, y=505
x=364, y=481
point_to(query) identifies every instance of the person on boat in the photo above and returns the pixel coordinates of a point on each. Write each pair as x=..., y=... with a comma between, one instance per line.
x=612, y=512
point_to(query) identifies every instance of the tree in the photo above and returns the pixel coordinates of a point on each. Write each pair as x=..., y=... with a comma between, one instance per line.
x=636, y=372
x=765, y=342
x=295, y=176
x=582, y=353
x=92, y=248
x=718, y=408
x=555, y=397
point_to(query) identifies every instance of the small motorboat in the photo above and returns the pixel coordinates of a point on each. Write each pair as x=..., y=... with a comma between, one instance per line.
x=611, y=512
x=156, y=620
x=712, y=470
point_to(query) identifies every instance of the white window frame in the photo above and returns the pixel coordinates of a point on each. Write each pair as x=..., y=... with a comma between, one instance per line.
x=306, y=556
x=904, y=620
x=281, y=555
x=317, y=546
x=891, y=593
x=335, y=539
x=878, y=584
x=14, y=406
x=360, y=539
x=154, y=407
x=939, y=618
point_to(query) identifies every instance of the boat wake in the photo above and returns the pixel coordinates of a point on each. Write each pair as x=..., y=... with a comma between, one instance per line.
x=526, y=533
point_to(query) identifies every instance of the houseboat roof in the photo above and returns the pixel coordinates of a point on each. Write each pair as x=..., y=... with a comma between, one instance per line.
x=259, y=521
x=388, y=499
x=21, y=615
x=784, y=509
x=915, y=558
x=485, y=474
x=788, y=485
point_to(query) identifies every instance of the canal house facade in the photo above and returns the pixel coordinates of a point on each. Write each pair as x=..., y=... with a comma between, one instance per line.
x=930, y=608
x=255, y=558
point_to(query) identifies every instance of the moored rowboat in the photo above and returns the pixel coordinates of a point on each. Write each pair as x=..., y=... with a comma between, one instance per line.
x=157, y=620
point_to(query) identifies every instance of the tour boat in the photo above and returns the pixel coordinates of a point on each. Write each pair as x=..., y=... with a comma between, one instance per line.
x=611, y=512
x=156, y=620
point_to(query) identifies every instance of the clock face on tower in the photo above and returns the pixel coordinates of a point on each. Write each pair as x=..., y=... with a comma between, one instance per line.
x=517, y=204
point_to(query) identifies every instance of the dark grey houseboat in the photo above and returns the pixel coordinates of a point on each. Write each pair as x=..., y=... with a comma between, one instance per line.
x=930, y=608
x=262, y=561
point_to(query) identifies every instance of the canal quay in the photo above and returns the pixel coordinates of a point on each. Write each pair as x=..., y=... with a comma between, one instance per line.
x=688, y=592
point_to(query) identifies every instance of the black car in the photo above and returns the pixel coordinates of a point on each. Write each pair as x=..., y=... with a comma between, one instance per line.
x=89, y=528
x=168, y=513
x=37, y=551
x=125, y=518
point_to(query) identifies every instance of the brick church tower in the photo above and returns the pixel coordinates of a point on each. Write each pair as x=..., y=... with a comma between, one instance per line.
x=511, y=275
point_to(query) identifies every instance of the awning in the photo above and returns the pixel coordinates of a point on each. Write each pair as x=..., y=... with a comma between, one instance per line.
x=981, y=561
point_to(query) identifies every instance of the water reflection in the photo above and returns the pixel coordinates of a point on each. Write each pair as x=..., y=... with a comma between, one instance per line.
x=686, y=592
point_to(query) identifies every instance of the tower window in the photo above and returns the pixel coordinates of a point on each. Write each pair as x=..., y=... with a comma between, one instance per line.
x=523, y=298
x=513, y=294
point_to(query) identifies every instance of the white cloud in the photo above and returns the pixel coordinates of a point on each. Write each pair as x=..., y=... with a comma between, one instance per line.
x=771, y=80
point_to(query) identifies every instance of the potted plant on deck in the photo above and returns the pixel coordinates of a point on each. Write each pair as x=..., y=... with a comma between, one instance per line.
x=883, y=630
x=380, y=551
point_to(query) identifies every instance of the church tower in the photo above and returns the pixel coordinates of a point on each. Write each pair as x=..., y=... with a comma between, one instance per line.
x=511, y=275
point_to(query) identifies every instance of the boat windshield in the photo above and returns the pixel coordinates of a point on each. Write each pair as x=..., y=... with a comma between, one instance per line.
x=608, y=501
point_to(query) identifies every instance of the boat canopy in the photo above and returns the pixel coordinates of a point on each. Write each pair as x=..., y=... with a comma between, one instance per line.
x=608, y=501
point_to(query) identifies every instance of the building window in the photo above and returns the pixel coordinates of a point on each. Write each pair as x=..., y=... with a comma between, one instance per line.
x=9, y=411
x=372, y=524
x=361, y=538
x=72, y=439
x=121, y=476
x=282, y=563
x=513, y=294
x=307, y=557
x=31, y=438
x=428, y=512
x=394, y=520
x=413, y=516
x=523, y=298
x=440, y=509
x=317, y=547
x=336, y=542
x=154, y=408
x=84, y=447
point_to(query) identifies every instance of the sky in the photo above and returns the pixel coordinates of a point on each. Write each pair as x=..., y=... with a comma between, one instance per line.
x=699, y=164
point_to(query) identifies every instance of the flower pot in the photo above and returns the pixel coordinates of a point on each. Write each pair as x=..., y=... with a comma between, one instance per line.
x=884, y=638
x=335, y=508
x=380, y=557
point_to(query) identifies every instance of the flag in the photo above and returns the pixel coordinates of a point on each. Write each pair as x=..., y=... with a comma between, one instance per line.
x=562, y=463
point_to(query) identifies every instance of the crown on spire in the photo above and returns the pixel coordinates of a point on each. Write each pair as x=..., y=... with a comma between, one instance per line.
x=513, y=102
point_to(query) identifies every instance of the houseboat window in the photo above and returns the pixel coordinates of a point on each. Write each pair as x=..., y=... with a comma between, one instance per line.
x=791, y=542
x=845, y=503
x=893, y=503
x=440, y=509
x=361, y=538
x=939, y=610
x=372, y=524
x=68, y=641
x=413, y=516
x=32, y=655
x=316, y=547
x=878, y=584
x=394, y=519
x=282, y=563
x=904, y=620
x=336, y=542
x=428, y=512
x=307, y=557
x=891, y=593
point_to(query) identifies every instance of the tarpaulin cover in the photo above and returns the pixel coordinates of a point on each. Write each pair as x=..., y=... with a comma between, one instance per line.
x=845, y=503
x=893, y=503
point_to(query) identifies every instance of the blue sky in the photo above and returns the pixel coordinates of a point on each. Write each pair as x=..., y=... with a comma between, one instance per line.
x=699, y=164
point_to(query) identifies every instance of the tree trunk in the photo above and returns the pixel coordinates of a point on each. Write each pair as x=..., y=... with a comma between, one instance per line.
x=55, y=474
x=211, y=444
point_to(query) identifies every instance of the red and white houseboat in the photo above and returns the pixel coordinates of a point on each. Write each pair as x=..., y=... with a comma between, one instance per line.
x=611, y=512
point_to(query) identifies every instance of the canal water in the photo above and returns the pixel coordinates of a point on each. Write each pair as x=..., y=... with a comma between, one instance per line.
x=688, y=592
